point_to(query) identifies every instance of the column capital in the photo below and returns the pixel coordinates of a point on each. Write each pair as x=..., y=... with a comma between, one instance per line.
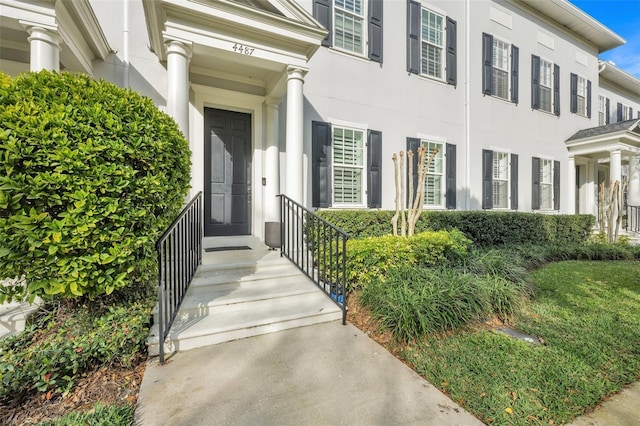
x=40, y=32
x=178, y=46
x=296, y=73
x=272, y=102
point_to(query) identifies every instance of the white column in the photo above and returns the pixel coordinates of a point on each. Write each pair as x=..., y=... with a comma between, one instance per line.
x=294, y=133
x=178, y=56
x=633, y=190
x=44, y=45
x=571, y=189
x=615, y=166
x=590, y=200
x=272, y=163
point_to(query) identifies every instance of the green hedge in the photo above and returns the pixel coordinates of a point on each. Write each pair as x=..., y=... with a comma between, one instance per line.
x=91, y=175
x=371, y=258
x=484, y=228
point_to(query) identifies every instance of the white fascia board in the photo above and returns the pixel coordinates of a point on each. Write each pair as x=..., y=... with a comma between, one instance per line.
x=37, y=12
x=294, y=10
x=610, y=72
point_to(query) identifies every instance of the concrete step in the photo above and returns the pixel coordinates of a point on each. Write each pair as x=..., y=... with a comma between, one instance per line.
x=251, y=318
x=214, y=274
x=13, y=317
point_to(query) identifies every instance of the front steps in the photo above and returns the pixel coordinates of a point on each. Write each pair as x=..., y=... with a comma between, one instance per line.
x=243, y=293
x=13, y=317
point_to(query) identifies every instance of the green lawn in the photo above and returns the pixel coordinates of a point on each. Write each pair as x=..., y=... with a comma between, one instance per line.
x=588, y=315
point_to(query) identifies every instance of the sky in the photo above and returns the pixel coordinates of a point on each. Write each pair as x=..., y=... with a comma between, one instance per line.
x=623, y=18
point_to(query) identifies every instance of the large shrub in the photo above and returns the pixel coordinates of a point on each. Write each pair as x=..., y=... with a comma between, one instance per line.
x=370, y=259
x=92, y=173
x=485, y=228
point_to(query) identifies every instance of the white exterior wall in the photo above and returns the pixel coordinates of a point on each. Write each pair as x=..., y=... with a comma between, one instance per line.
x=386, y=97
x=617, y=94
x=500, y=125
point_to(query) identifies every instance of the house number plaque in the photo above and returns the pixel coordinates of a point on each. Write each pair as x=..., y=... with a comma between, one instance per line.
x=241, y=48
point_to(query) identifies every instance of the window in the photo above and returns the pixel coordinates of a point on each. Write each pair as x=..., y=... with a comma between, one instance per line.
x=546, y=184
x=432, y=44
x=580, y=95
x=500, y=84
x=346, y=166
x=625, y=112
x=500, y=68
x=354, y=25
x=545, y=192
x=349, y=25
x=500, y=180
x=603, y=110
x=434, y=184
x=431, y=47
x=545, y=85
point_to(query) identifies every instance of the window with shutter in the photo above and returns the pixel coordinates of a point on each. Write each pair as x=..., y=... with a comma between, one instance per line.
x=349, y=178
x=602, y=110
x=579, y=95
x=546, y=184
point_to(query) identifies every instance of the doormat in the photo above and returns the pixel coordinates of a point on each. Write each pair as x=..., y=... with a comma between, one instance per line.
x=227, y=248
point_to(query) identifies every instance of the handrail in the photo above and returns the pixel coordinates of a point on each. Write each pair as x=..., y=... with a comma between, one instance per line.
x=317, y=248
x=633, y=219
x=179, y=255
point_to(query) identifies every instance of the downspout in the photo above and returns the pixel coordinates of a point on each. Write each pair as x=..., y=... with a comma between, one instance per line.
x=125, y=43
x=467, y=107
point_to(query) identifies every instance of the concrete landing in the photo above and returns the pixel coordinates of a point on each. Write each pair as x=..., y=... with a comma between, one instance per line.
x=325, y=374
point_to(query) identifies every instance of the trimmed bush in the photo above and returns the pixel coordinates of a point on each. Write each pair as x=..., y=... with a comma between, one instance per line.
x=371, y=258
x=484, y=228
x=92, y=174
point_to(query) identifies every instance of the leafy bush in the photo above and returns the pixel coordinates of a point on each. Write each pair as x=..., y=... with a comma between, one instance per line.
x=65, y=342
x=92, y=174
x=371, y=258
x=484, y=228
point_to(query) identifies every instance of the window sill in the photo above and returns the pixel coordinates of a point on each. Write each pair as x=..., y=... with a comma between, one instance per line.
x=349, y=54
x=499, y=99
x=434, y=79
x=551, y=114
x=346, y=207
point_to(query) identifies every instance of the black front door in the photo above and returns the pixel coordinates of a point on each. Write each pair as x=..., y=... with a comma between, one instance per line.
x=227, y=186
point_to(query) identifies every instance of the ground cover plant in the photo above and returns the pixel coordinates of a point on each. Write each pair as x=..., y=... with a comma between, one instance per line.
x=584, y=312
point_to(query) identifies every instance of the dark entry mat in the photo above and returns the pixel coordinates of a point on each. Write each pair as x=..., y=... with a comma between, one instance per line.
x=227, y=248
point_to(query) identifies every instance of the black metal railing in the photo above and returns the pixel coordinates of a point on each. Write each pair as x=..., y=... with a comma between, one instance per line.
x=179, y=255
x=633, y=219
x=317, y=248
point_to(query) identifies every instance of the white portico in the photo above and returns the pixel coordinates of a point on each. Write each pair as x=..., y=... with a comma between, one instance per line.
x=230, y=65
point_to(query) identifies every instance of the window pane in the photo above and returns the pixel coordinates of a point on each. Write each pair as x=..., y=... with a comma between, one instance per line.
x=500, y=180
x=348, y=32
x=545, y=99
x=432, y=28
x=433, y=190
x=347, y=185
x=500, y=83
x=348, y=161
x=431, y=60
x=433, y=183
x=500, y=194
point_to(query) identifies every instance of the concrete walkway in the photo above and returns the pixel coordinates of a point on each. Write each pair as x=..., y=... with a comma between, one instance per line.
x=325, y=374
x=622, y=409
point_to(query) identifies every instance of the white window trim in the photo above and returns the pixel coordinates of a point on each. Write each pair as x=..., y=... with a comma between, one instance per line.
x=540, y=85
x=365, y=31
x=602, y=110
x=582, y=113
x=443, y=48
x=509, y=60
x=551, y=160
x=508, y=180
x=443, y=174
x=364, y=195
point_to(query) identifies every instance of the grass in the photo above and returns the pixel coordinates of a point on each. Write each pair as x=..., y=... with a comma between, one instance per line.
x=113, y=415
x=587, y=315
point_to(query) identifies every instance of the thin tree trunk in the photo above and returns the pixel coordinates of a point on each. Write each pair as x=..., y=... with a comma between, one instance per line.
x=394, y=219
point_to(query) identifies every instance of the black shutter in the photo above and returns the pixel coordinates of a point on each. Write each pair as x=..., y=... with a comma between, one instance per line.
x=451, y=176
x=607, y=119
x=556, y=185
x=322, y=11
x=630, y=113
x=452, y=42
x=321, y=160
x=514, y=181
x=487, y=179
x=487, y=63
x=589, y=98
x=412, y=145
x=573, y=105
x=374, y=166
x=515, y=53
x=414, y=20
x=375, y=30
x=535, y=184
x=619, y=113
x=535, y=82
x=556, y=89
